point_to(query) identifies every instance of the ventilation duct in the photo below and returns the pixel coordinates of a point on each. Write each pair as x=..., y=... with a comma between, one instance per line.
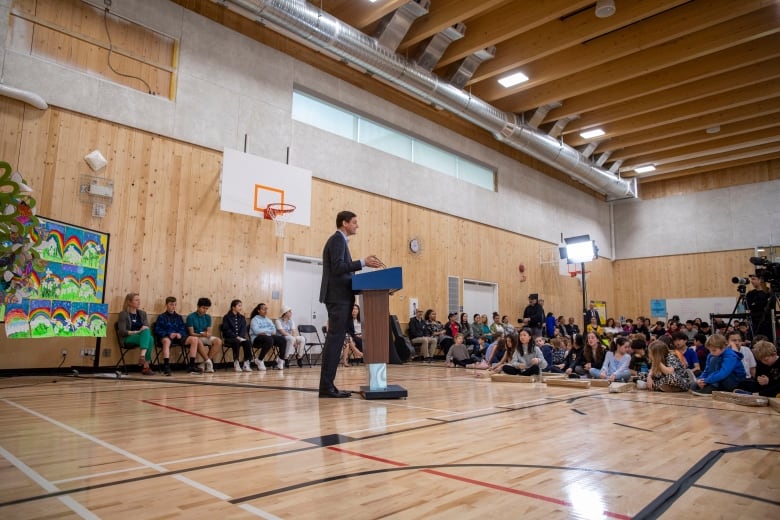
x=394, y=26
x=432, y=51
x=464, y=71
x=541, y=112
x=325, y=32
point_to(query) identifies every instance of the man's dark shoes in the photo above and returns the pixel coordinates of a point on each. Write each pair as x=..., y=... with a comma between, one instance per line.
x=335, y=394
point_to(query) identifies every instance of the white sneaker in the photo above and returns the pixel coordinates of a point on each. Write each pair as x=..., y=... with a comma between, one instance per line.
x=247, y=368
x=280, y=364
x=209, y=366
x=236, y=366
x=260, y=364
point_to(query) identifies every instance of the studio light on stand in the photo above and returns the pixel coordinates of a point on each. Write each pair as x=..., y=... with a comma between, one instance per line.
x=578, y=250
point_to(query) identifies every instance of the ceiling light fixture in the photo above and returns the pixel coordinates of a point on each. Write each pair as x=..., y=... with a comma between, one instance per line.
x=590, y=134
x=605, y=8
x=513, y=79
x=645, y=169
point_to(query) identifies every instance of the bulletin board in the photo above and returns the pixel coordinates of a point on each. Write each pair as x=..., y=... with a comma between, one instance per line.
x=65, y=296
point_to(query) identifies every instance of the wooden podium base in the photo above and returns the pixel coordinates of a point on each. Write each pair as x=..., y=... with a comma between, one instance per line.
x=389, y=392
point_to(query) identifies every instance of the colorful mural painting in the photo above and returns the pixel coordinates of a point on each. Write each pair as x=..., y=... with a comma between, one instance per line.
x=64, y=297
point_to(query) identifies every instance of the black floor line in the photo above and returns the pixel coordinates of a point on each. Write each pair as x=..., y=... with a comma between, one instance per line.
x=667, y=499
x=634, y=427
x=578, y=411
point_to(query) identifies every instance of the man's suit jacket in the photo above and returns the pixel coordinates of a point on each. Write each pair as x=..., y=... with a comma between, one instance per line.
x=592, y=313
x=337, y=269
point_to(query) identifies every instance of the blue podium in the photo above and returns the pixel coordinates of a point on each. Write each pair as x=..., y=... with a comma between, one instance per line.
x=375, y=288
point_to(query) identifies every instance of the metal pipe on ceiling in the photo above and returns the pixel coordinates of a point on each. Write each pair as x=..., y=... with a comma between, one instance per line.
x=321, y=30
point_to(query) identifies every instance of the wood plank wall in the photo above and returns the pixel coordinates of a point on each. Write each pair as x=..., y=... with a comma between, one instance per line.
x=168, y=235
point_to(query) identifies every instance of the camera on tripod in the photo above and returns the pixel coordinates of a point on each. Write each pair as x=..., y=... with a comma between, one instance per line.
x=742, y=287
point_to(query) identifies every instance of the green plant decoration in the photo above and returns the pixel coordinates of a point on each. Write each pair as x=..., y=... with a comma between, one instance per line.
x=18, y=236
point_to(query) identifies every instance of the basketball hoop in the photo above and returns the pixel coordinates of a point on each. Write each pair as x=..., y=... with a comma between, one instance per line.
x=280, y=213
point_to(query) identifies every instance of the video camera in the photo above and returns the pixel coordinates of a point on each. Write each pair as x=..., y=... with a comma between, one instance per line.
x=767, y=271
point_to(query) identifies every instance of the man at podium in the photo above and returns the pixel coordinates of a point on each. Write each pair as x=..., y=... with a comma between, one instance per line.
x=337, y=295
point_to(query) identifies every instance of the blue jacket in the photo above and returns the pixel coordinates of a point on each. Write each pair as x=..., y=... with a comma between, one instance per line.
x=167, y=324
x=720, y=367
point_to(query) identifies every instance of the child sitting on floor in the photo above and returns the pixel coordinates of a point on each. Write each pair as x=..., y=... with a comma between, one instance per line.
x=615, y=367
x=668, y=374
x=458, y=355
x=767, y=381
x=724, y=370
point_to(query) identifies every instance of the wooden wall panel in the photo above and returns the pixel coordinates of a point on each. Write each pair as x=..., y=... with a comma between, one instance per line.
x=705, y=275
x=168, y=236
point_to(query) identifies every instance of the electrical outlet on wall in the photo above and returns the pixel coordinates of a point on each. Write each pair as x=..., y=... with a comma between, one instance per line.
x=64, y=352
x=106, y=352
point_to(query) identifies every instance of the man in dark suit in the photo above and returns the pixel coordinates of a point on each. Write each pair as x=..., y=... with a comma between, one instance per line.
x=337, y=295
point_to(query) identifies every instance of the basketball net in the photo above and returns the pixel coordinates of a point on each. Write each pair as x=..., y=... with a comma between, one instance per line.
x=280, y=214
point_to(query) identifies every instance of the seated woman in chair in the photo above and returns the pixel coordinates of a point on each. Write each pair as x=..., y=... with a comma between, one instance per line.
x=134, y=328
x=295, y=342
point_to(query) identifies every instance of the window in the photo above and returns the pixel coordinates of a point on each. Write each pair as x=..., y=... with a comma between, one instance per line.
x=331, y=118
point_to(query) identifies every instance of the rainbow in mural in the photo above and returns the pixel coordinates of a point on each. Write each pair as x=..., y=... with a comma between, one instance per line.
x=17, y=323
x=65, y=296
x=40, y=319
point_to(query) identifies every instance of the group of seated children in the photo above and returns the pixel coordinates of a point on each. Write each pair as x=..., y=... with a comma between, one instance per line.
x=668, y=364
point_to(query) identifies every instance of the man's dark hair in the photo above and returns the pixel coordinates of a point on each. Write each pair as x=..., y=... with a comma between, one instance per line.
x=679, y=335
x=344, y=216
x=204, y=302
x=170, y=299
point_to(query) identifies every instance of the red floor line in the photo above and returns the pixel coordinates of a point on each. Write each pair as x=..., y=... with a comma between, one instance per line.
x=225, y=421
x=388, y=461
x=515, y=491
x=370, y=457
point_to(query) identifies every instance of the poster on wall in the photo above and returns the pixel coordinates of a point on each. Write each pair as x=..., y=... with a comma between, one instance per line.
x=64, y=297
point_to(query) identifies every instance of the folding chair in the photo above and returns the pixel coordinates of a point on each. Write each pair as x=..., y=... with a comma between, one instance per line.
x=123, y=349
x=313, y=340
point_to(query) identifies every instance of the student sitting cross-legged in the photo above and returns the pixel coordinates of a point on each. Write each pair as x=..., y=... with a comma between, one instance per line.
x=724, y=369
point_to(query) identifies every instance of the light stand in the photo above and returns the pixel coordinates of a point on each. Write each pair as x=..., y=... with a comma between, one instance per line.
x=578, y=250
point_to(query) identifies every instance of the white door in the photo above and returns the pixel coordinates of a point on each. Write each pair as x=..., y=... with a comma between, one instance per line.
x=480, y=297
x=301, y=290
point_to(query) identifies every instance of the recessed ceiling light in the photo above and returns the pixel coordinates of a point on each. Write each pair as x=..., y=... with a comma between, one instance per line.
x=645, y=169
x=589, y=134
x=513, y=79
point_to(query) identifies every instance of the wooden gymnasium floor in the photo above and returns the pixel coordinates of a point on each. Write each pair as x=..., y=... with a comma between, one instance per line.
x=229, y=445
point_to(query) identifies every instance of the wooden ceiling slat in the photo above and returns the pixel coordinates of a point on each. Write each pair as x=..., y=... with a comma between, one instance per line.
x=445, y=14
x=559, y=35
x=735, y=163
x=506, y=22
x=726, y=60
x=700, y=43
x=360, y=14
x=716, y=146
x=699, y=136
x=717, y=161
x=682, y=94
x=648, y=123
x=702, y=122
